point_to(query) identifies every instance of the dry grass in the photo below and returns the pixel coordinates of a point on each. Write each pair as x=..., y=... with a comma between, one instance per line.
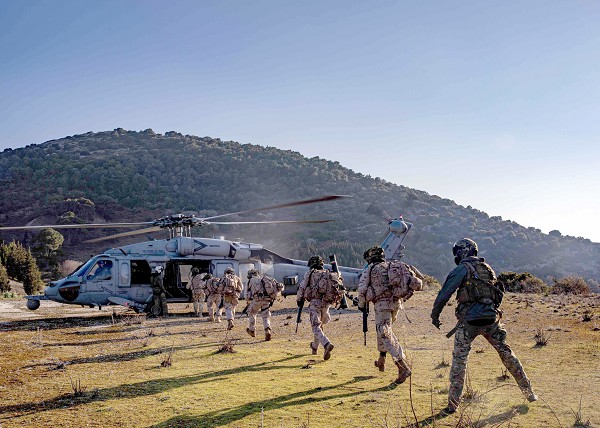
x=263, y=383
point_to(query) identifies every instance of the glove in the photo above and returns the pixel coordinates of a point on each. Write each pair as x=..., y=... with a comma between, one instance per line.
x=436, y=322
x=299, y=302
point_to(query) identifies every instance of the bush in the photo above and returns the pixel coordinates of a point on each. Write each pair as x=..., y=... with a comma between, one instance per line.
x=4, y=283
x=570, y=285
x=523, y=282
x=431, y=283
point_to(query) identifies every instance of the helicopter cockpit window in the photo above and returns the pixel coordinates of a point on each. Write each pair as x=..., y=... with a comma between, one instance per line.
x=101, y=271
x=81, y=270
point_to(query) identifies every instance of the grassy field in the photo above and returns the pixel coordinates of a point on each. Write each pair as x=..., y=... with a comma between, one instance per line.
x=63, y=366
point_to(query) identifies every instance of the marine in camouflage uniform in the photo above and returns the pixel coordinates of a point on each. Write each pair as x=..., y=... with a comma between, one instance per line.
x=213, y=298
x=259, y=301
x=231, y=295
x=159, y=292
x=478, y=313
x=198, y=286
x=318, y=309
x=374, y=286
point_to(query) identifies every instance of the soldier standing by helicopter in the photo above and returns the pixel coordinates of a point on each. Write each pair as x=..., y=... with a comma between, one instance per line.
x=197, y=285
x=160, y=293
x=231, y=286
x=261, y=292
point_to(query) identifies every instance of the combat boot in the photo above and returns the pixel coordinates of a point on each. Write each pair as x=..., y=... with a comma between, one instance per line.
x=267, y=334
x=313, y=348
x=328, y=349
x=229, y=324
x=380, y=364
x=403, y=371
x=531, y=396
x=250, y=332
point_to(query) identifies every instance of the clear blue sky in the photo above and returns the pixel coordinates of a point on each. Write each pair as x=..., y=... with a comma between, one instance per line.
x=492, y=104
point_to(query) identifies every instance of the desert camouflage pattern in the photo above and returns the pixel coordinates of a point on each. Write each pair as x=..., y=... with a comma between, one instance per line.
x=230, y=304
x=231, y=285
x=374, y=283
x=386, y=313
x=495, y=334
x=319, y=316
x=213, y=301
x=309, y=286
x=198, y=286
x=254, y=307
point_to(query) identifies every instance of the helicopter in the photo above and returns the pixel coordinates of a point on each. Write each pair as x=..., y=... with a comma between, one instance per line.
x=121, y=275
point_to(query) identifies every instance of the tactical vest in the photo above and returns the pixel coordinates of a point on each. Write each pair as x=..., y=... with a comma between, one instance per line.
x=480, y=285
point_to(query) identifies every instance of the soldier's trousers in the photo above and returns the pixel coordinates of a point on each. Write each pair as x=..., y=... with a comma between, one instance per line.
x=496, y=335
x=213, y=302
x=256, y=306
x=230, y=303
x=386, y=312
x=319, y=316
x=160, y=300
x=198, y=299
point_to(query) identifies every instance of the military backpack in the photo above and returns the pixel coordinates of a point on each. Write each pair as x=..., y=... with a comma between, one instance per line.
x=272, y=288
x=481, y=285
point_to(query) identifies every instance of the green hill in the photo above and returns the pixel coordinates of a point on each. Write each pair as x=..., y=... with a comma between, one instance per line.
x=123, y=175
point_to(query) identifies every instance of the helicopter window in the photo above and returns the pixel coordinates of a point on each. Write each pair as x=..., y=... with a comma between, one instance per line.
x=140, y=272
x=124, y=275
x=81, y=270
x=102, y=271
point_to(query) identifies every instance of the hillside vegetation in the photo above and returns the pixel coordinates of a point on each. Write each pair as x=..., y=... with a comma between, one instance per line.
x=123, y=175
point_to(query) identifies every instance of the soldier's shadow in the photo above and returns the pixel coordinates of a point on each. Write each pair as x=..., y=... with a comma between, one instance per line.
x=226, y=416
x=132, y=390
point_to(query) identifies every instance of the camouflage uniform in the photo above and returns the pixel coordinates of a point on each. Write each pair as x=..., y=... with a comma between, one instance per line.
x=198, y=285
x=470, y=314
x=231, y=297
x=318, y=310
x=159, y=292
x=374, y=286
x=213, y=299
x=259, y=301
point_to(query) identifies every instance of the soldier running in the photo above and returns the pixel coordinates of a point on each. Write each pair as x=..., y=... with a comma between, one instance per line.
x=374, y=287
x=478, y=313
x=231, y=286
x=261, y=298
x=214, y=297
x=198, y=286
x=312, y=289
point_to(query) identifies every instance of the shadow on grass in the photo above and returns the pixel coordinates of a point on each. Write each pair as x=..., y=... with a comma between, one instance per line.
x=139, y=389
x=468, y=420
x=226, y=416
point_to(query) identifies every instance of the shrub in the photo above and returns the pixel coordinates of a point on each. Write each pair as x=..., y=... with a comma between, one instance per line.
x=431, y=283
x=570, y=285
x=4, y=282
x=523, y=282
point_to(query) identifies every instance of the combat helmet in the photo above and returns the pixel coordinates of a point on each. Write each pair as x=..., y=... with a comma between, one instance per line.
x=207, y=277
x=157, y=270
x=251, y=273
x=195, y=271
x=374, y=254
x=230, y=270
x=316, y=262
x=464, y=247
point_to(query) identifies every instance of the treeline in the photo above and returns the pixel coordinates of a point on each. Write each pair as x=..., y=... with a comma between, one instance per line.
x=122, y=175
x=18, y=263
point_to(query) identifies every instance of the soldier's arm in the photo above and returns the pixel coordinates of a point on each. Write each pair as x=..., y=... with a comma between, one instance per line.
x=363, y=282
x=453, y=281
x=302, y=287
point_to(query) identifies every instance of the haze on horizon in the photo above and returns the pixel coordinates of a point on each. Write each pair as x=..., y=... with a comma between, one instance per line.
x=493, y=105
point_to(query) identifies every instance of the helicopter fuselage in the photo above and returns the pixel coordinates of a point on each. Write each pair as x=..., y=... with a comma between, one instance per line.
x=121, y=275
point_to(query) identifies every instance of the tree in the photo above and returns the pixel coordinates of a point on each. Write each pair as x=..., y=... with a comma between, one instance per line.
x=32, y=277
x=4, y=282
x=49, y=240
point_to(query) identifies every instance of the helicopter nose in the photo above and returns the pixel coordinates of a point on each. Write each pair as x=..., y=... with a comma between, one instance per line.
x=51, y=290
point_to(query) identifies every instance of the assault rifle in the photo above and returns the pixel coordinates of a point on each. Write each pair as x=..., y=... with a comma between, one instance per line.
x=365, y=315
x=299, y=317
x=334, y=268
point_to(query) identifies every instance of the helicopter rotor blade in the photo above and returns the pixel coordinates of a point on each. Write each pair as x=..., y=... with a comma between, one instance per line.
x=290, y=204
x=269, y=222
x=78, y=226
x=121, y=235
x=377, y=210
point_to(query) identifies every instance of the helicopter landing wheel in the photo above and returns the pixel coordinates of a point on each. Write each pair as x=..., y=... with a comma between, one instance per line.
x=154, y=310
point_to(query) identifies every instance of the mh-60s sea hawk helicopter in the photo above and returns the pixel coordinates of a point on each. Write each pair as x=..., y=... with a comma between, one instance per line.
x=121, y=275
